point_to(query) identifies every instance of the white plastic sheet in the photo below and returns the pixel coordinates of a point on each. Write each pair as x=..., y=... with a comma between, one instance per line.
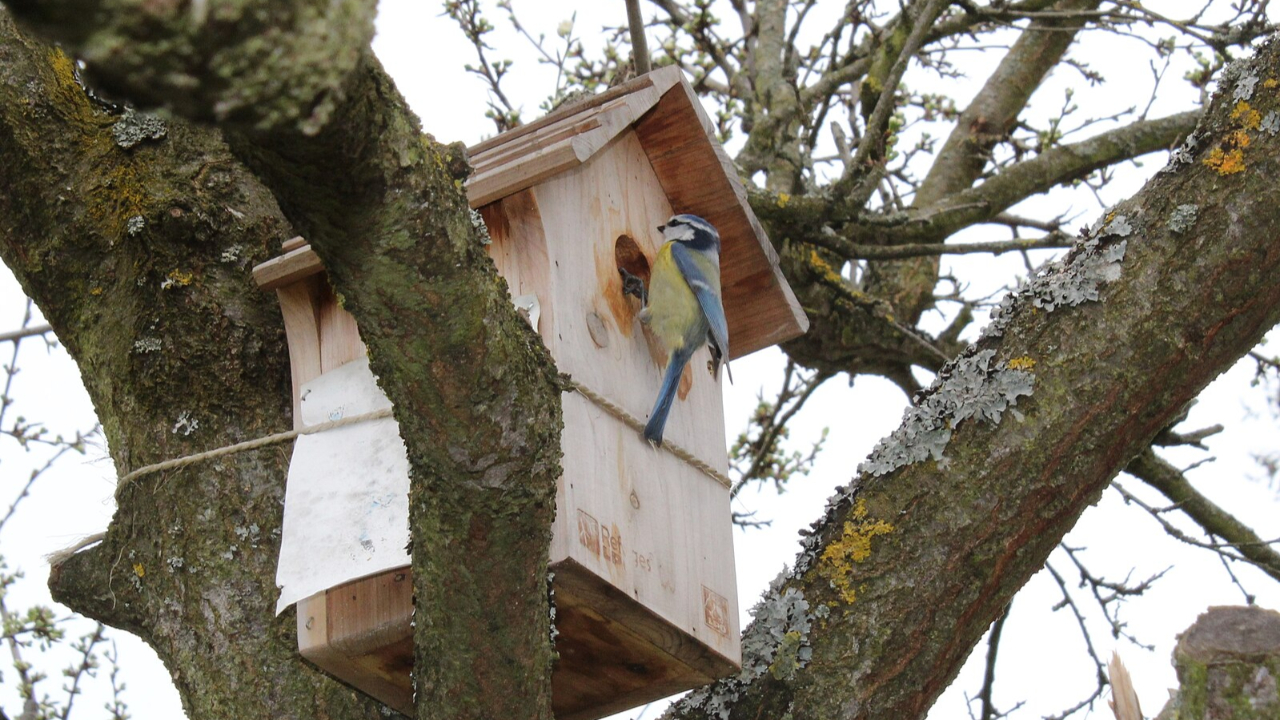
x=346, y=513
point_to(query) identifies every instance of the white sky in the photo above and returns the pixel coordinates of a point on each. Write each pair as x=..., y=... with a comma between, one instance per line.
x=1042, y=657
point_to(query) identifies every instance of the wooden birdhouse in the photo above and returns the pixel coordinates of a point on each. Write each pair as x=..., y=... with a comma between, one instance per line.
x=642, y=551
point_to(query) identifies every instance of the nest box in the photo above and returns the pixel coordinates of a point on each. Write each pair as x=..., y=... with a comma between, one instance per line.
x=642, y=550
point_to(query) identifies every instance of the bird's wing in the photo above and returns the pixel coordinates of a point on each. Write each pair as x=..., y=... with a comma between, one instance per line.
x=708, y=294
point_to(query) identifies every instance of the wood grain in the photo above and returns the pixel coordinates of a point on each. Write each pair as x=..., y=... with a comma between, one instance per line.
x=614, y=654
x=361, y=632
x=692, y=169
x=287, y=269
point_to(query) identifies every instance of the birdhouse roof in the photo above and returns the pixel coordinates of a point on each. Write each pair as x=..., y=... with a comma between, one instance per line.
x=695, y=173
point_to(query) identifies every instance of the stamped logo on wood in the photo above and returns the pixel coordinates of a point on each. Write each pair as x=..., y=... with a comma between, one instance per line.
x=589, y=532
x=715, y=611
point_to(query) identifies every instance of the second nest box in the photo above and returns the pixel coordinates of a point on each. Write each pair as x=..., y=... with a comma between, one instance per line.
x=642, y=547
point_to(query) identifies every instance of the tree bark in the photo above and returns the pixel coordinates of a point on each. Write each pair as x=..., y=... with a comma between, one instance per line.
x=139, y=257
x=1228, y=666
x=955, y=511
x=475, y=392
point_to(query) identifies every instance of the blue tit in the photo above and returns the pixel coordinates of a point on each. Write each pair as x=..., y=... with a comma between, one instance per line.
x=684, y=309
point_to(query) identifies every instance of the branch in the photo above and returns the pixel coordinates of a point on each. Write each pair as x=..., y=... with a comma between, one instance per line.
x=993, y=112
x=898, y=252
x=26, y=332
x=475, y=392
x=989, y=711
x=708, y=42
x=290, y=61
x=163, y=327
x=1031, y=177
x=871, y=149
x=1159, y=474
x=639, y=46
x=956, y=510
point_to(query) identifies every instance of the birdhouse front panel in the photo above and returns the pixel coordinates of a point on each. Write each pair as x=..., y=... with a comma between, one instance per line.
x=639, y=519
x=590, y=215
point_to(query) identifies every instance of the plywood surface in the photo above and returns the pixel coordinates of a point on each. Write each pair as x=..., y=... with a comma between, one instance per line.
x=614, y=654
x=692, y=170
x=658, y=530
x=583, y=213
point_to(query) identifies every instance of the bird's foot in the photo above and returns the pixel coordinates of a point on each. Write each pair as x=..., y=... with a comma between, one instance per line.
x=633, y=285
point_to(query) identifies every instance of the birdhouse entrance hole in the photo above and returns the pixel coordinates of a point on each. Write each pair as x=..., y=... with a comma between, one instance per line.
x=631, y=258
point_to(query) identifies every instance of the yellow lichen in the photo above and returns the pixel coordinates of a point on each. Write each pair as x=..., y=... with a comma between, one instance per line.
x=1246, y=116
x=1226, y=162
x=822, y=266
x=1022, y=363
x=181, y=277
x=1270, y=83
x=95, y=291
x=853, y=546
x=139, y=570
x=783, y=199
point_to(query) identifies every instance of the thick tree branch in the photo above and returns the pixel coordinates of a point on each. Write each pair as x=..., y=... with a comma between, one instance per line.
x=475, y=391
x=141, y=264
x=1052, y=167
x=855, y=342
x=802, y=218
x=991, y=114
x=261, y=64
x=952, y=514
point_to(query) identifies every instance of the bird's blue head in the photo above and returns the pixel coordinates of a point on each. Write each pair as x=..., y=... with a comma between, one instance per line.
x=696, y=233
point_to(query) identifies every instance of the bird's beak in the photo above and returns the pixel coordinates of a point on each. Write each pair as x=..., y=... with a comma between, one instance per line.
x=661, y=228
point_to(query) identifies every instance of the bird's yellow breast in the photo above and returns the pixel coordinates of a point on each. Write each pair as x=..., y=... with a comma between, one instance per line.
x=673, y=309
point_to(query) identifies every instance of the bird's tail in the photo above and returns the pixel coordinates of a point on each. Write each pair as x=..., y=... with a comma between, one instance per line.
x=666, y=395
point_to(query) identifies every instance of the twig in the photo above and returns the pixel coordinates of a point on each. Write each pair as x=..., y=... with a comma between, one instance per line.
x=898, y=252
x=1068, y=601
x=639, y=46
x=1159, y=474
x=989, y=711
x=26, y=332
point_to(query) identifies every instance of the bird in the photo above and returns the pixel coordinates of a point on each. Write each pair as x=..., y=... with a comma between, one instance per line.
x=683, y=308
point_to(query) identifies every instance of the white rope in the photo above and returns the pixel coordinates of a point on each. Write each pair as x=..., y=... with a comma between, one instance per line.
x=601, y=401
x=254, y=444
x=627, y=419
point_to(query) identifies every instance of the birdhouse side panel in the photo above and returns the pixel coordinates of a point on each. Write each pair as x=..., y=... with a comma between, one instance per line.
x=649, y=524
x=590, y=214
x=298, y=305
x=518, y=247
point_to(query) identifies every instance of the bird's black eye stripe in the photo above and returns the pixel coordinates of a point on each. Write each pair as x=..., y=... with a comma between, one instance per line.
x=673, y=222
